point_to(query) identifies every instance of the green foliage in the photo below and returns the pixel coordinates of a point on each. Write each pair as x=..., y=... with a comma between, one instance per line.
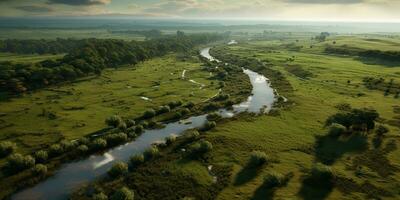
x=92, y=56
x=336, y=129
x=209, y=125
x=357, y=119
x=321, y=173
x=68, y=145
x=129, y=123
x=213, y=116
x=151, y=153
x=39, y=170
x=136, y=160
x=139, y=129
x=18, y=162
x=41, y=156
x=55, y=150
x=149, y=114
x=200, y=148
x=118, y=169
x=163, y=109
x=82, y=149
x=7, y=148
x=170, y=139
x=174, y=104
x=123, y=194
x=258, y=158
x=116, y=139
x=100, y=196
x=274, y=179
x=114, y=121
x=99, y=144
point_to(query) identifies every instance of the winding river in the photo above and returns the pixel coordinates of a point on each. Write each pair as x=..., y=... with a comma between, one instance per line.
x=72, y=175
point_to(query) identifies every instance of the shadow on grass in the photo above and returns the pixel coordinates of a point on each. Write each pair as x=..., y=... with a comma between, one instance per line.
x=329, y=148
x=315, y=190
x=246, y=174
x=377, y=61
x=264, y=193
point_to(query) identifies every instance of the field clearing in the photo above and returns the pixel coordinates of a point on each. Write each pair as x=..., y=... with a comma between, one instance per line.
x=80, y=108
x=291, y=136
x=28, y=58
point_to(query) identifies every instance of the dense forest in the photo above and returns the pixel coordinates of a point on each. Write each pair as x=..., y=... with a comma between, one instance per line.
x=40, y=46
x=91, y=57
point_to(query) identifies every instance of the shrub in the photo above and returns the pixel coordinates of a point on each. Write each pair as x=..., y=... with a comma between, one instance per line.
x=100, y=196
x=115, y=139
x=321, y=173
x=170, y=139
x=55, y=150
x=200, y=147
x=381, y=130
x=163, y=109
x=222, y=97
x=174, y=104
x=275, y=180
x=130, y=123
x=211, y=106
x=18, y=162
x=229, y=103
x=67, y=145
x=136, y=160
x=122, y=127
x=99, y=144
x=150, y=153
x=123, y=194
x=144, y=124
x=177, y=115
x=209, y=125
x=84, y=141
x=7, y=148
x=336, y=129
x=83, y=149
x=213, y=116
x=258, y=158
x=39, y=170
x=149, y=114
x=114, y=121
x=118, y=169
x=139, y=129
x=41, y=156
x=189, y=105
x=184, y=111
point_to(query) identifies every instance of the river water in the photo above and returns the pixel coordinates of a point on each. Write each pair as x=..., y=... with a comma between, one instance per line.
x=73, y=175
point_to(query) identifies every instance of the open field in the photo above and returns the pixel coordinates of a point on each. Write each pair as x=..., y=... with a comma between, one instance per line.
x=291, y=136
x=294, y=138
x=81, y=107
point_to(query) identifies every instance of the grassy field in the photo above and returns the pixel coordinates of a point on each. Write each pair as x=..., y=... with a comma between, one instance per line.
x=29, y=58
x=294, y=138
x=80, y=108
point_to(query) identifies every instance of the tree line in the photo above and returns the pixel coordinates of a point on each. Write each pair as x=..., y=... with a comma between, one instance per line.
x=92, y=57
x=392, y=56
x=40, y=46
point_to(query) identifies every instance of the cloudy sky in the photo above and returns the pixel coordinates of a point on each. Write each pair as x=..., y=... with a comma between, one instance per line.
x=315, y=10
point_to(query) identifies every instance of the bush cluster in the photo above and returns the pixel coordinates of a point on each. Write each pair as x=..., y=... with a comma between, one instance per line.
x=123, y=194
x=258, y=158
x=7, y=148
x=18, y=162
x=118, y=169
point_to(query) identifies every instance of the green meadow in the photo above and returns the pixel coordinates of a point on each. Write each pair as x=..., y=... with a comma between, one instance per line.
x=80, y=107
x=293, y=136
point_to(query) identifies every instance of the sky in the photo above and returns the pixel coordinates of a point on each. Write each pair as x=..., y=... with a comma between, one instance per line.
x=301, y=10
